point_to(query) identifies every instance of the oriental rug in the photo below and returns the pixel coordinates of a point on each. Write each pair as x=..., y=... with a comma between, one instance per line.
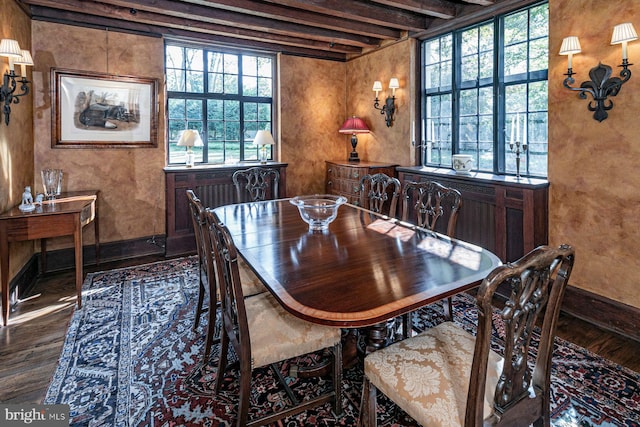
x=131, y=358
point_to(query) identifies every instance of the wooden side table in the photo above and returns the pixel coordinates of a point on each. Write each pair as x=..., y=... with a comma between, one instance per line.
x=64, y=216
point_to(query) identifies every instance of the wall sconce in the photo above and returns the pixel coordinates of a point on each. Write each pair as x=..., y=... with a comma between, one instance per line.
x=354, y=125
x=601, y=85
x=11, y=49
x=389, y=107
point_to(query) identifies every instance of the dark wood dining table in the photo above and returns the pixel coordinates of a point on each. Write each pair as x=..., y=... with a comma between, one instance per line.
x=363, y=270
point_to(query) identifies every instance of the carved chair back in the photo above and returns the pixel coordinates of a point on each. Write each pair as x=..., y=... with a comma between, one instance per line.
x=536, y=284
x=379, y=193
x=427, y=202
x=256, y=184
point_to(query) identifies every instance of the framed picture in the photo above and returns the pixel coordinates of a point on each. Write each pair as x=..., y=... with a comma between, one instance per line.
x=93, y=110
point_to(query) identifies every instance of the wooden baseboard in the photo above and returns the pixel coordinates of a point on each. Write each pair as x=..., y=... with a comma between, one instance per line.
x=64, y=259
x=603, y=312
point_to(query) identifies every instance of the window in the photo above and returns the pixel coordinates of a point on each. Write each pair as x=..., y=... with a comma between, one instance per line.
x=484, y=89
x=226, y=96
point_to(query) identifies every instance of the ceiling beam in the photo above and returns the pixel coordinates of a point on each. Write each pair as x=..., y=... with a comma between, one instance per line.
x=363, y=11
x=438, y=8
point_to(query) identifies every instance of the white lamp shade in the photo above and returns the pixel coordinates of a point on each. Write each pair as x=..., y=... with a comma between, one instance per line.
x=25, y=58
x=263, y=137
x=190, y=138
x=623, y=33
x=570, y=46
x=393, y=83
x=377, y=86
x=10, y=48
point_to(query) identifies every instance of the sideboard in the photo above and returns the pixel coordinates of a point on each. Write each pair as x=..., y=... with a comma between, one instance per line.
x=343, y=177
x=213, y=185
x=505, y=214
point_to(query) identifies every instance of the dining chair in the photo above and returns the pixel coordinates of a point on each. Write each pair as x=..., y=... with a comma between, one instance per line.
x=424, y=204
x=379, y=193
x=447, y=377
x=256, y=184
x=262, y=334
x=198, y=220
x=252, y=285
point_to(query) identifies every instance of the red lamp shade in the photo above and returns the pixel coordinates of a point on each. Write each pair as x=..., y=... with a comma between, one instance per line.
x=354, y=125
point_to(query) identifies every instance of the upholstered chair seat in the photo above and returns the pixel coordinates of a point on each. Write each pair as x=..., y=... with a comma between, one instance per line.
x=277, y=335
x=432, y=387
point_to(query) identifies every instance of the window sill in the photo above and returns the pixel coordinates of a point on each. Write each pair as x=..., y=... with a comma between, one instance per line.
x=478, y=177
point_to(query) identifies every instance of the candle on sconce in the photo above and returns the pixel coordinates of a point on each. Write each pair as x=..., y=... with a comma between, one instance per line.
x=433, y=132
x=517, y=127
x=524, y=133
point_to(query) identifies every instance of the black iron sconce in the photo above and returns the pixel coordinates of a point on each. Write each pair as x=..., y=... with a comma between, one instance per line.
x=602, y=85
x=11, y=49
x=389, y=107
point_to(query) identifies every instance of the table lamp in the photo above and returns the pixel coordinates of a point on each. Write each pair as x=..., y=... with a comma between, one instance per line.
x=262, y=139
x=354, y=125
x=190, y=138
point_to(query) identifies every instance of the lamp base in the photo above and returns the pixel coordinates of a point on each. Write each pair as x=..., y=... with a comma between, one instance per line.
x=190, y=159
x=353, y=157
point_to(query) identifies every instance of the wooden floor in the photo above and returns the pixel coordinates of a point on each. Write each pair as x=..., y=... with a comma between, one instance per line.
x=31, y=344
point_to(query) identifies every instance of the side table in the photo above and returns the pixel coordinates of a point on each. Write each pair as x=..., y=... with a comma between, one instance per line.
x=64, y=216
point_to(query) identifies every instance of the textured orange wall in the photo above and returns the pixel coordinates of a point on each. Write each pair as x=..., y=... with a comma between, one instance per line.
x=312, y=103
x=594, y=193
x=383, y=144
x=131, y=180
x=16, y=140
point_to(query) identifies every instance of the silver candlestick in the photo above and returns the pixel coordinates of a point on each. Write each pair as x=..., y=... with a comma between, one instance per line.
x=518, y=152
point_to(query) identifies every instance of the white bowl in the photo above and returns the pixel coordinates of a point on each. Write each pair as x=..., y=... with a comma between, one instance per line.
x=318, y=210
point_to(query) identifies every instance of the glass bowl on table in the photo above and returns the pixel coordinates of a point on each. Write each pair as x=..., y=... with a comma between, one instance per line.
x=318, y=210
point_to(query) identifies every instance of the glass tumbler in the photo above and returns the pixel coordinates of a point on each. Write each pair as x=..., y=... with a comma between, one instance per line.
x=52, y=182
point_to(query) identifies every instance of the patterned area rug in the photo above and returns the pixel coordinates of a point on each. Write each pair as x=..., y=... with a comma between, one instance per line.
x=131, y=358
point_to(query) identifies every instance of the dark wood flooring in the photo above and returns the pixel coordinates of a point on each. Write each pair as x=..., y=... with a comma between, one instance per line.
x=31, y=344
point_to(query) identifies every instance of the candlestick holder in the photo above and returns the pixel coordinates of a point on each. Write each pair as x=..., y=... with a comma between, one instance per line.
x=518, y=152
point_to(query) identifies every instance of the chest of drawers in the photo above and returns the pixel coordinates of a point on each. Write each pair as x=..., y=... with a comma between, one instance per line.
x=343, y=178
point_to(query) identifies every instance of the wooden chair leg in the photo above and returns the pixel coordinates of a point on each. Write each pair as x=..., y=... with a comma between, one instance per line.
x=368, y=416
x=211, y=327
x=200, y=302
x=407, y=325
x=222, y=360
x=245, y=393
x=448, y=309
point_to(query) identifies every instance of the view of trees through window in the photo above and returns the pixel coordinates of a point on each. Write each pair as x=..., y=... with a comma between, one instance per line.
x=226, y=96
x=485, y=94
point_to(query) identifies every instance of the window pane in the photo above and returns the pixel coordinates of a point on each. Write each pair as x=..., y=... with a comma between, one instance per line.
x=539, y=54
x=249, y=86
x=249, y=66
x=175, y=80
x=539, y=18
x=265, y=67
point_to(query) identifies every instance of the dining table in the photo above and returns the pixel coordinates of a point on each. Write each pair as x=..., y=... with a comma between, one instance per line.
x=362, y=271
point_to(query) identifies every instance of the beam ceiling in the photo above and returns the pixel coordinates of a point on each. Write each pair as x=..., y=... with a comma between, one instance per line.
x=329, y=29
